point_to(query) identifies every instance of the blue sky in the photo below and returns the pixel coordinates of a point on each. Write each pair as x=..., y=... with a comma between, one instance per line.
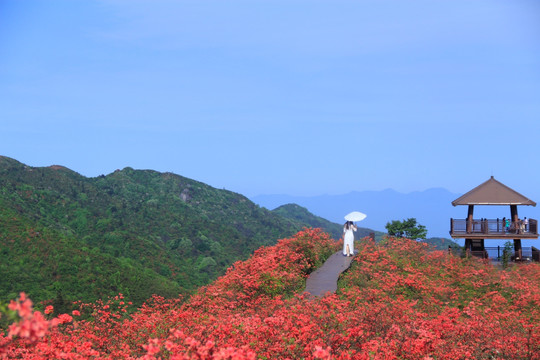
x=266, y=97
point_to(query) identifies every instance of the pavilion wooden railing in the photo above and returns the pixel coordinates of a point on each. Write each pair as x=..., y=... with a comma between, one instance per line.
x=525, y=253
x=497, y=253
x=492, y=227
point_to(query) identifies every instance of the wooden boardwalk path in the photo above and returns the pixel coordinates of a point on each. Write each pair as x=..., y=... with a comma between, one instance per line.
x=324, y=279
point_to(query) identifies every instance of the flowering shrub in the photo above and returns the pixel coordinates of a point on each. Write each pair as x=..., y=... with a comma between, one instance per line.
x=397, y=301
x=31, y=325
x=421, y=303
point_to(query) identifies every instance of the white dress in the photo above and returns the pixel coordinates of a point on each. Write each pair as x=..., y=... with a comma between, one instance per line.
x=348, y=239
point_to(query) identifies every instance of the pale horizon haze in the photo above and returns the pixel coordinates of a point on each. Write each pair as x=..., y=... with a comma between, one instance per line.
x=277, y=97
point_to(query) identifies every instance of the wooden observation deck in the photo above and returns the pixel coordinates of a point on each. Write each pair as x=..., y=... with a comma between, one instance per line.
x=493, y=229
x=475, y=231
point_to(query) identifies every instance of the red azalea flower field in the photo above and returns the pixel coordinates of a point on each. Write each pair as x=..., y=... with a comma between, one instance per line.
x=397, y=301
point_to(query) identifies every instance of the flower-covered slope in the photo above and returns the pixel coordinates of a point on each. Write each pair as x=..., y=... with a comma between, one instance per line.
x=397, y=301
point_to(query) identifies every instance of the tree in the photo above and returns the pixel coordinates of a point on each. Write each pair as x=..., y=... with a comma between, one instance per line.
x=407, y=229
x=507, y=254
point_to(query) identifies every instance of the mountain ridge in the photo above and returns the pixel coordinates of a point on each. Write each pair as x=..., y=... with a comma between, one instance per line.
x=380, y=206
x=300, y=213
x=137, y=232
x=431, y=207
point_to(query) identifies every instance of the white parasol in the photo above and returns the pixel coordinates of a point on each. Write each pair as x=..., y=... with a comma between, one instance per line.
x=355, y=216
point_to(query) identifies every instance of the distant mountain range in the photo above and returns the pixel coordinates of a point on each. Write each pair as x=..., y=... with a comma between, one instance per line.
x=431, y=208
x=302, y=215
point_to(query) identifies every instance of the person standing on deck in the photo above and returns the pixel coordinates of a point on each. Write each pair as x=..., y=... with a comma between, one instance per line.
x=348, y=238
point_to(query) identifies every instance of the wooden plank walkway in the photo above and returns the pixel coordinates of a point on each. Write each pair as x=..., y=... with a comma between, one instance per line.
x=324, y=279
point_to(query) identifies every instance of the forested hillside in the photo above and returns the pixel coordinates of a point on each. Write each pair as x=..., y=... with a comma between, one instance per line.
x=67, y=237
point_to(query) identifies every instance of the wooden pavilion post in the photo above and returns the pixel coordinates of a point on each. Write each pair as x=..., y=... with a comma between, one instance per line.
x=469, y=230
x=514, y=214
x=468, y=246
x=470, y=219
x=517, y=242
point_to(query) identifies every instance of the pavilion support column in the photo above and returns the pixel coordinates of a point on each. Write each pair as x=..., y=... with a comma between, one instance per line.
x=517, y=242
x=485, y=255
x=514, y=214
x=470, y=219
x=517, y=249
x=468, y=246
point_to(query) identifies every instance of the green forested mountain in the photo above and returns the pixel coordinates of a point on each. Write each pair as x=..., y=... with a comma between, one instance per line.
x=302, y=215
x=67, y=237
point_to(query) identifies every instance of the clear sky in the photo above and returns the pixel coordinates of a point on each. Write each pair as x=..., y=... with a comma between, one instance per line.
x=299, y=97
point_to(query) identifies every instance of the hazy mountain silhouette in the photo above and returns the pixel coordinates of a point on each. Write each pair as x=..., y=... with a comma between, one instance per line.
x=432, y=208
x=303, y=216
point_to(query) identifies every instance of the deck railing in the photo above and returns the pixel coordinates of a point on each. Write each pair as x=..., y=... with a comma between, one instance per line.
x=523, y=254
x=493, y=227
x=497, y=253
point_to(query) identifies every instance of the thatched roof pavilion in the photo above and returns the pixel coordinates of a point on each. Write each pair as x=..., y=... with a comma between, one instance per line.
x=493, y=192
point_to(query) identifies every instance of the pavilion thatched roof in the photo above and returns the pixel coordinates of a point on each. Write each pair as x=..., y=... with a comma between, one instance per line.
x=492, y=192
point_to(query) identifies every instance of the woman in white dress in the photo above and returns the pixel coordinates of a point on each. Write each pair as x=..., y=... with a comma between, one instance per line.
x=348, y=238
